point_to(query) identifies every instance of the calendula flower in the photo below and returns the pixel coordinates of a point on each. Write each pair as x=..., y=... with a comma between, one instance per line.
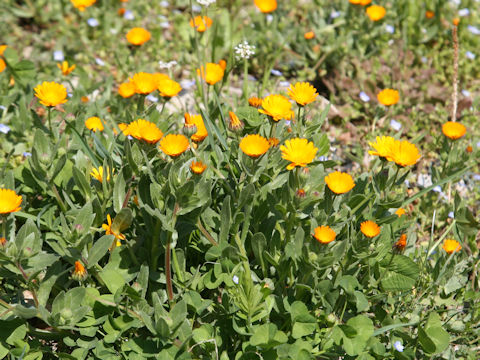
x=400, y=212
x=273, y=141
x=429, y=14
x=299, y=151
x=94, y=123
x=160, y=77
x=144, y=130
x=201, y=23
x=145, y=83
x=82, y=4
x=277, y=107
x=51, y=93
x=404, y=153
x=302, y=93
x=388, y=97
x=80, y=273
x=169, y=88
x=127, y=89
x=65, y=68
x=339, y=182
x=255, y=102
x=383, y=147
x=376, y=12
x=9, y=201
x=235, y=123
x=211, y=73
x=456, y=21
x=451, y=246
x=123, y=128
x=401, y=243
x=3, y=241
x=254, y=145
x=369, y=229
x=309, y=35
x=138, y=36
x=454, y=130
x=99, y=173
x=174, y=145
x=197, y=167
x=196, y=120
x=266, y=6
x=3, y=65
x=109, y=231
x=360, y=2
x=324, y=234
x=469, y=149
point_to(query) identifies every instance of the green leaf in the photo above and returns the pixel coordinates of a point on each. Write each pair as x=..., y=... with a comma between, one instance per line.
x=225, y=220
x=268, y=336
x=401, y=274
x=119, y=192
x=364, y=328
x=433, y=337
x=122, y=221
x=99, y=249
x=112, y=279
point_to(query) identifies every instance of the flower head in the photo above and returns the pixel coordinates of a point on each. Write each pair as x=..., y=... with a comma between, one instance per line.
x=127, y=89
x=196, y=120
x=360, y=2
x=324, y=234
x=51, y=93
x=429, y=14
x=144, y=130
x=255, y=102
x=3, y=241
x=94, y=123
x=339, y=182
x=454, y=130
x=99, y=173
x=400, y=212
x=65, y=68
x=383, y=147
x=109, y=231
x=201, y=23
x=404, y=153
x=174, y=145
x=277, y=107
x=211, y=73
x=299, y=151
x=3, y=65
x=376, y=12
x=266, y=6
x=138, y=36
x=401, y=243
x=254, y=145
x=169, y=88
x=206, y=3
x=145, y=83
x=197, y=167
x=9, y=201
x=309, y=35
x=388, y=97
x=451, y=246
x=235, y=123
x=398, y=346
x=302, y=93
x=244, y=51
x=79, y=274
x=273, y=141
x=369, y=229
x=82, y=4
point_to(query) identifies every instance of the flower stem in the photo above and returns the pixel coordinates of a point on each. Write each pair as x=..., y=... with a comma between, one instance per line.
x=49, y=111
x=245, y=80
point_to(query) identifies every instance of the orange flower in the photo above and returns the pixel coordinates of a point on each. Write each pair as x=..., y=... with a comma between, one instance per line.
x=144, y=130
x=235, y=123
x=388, y=97
x=109, y=231
x=369, y=229
x=174, y=145
x=3, y=241
x=85, y=99
x=65, y=68
x=451, y=246
x=376, y=12
x=138, y=36
x=3, y=65
x=277, y=107
x=212, y=73
x=223, y=64
x=309, y=35
x=127, y=89
x=255, y=102
x=401, y=243
x=299, y=152
x=79, y=274
x=123, y=128
x=400, y=212
x=456, y=21
x=324, y=234
x=404, y=153
x=454, y=130
x=51, y=93
x=302, y=93
x=145, y=83
x=273, y=141
x=9, y=201
x=201, y=23
x=429, y=14
x=254, y=145
x=266, y=6
x=360, y=2
x=94, y=123
x=339, y=182
x=197, y=167
x=196, y=120
x=169, y=88
x=469, y=149
x=82, y=4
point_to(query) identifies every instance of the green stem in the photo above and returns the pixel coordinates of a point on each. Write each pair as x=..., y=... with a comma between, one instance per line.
x=4, y=226
x=168, y=270
x=245, y=80
x=140, y=104
x=49, y=111
x=154, y=246
x=299, y=121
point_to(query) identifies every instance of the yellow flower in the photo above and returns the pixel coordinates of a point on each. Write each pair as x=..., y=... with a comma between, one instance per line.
x=302, y=93
x=196, y=120
x=235, y=123
x=79, y=274
x=9, y=201
x=369, y=229
x=174, y=145
x=82, y=4
x=212, y=73
x=159, y=77
x=144, y=130
x=109, y=231
x=98, y=173
x=309, y=35
x=123, y=128
x=273, y=141
x=145, y=83
x=197, y=167
x=65, y=68
x=401, y=243
x=201, y=23
x=400, y=212
x=388, y=97
x=360, y=2
x=404, y=153
x=138, y=36
x=266, y=6
x=376, y=12
x=451, y=246
x=169, y=88
x=127, y=89
x=324, y=234
x=277, y=107
x=454, y=130
x=2, y=49
x=383, y=147
x=51, y=93
x=94, y=123
x=3, y=65
x=254, y=145
x=299, y=151
x=255, y=102
x=339, y=182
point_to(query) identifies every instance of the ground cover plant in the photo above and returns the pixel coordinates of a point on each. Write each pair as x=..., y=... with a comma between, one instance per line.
x=239, y=179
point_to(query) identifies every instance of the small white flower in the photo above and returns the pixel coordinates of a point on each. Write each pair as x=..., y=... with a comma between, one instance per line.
x=364, y=97
x=100, y=62
x=470, y=55
x=398, y=346
x=390, y=29
x=284, y=84
x=463, y=12
x=69, y=95
x=152, y=98
x=424, y=59
x=474, y=30
x=244, y=51
x=395, y=125
x=466, y=93
x=3, y=108
x=187, y=84
x=335, y=14
x=5, y=129
x=235, y=279
x=287, y=122
x=164, y=3
x=269, y=18
x=167, y=65
x=196, y=8
x=129, y=15
x=424, y=180
x=58, y=55
x=206, y=3
x=437, y=189
x=276, y=72
x=451, y=215
x=93, y=22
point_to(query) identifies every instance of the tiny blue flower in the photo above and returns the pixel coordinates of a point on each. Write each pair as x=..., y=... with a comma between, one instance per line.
x=276, y=72
x=437, y=189
x=364, y=97
x=128, y=15
x=470, y=55
x=27, y=154
x=284, y=83
x=395, y=125
x=474, y=30
x=466, y=93
x=99, y=61
x=58, y=55
x=152, y=98
x=335, y=14
x=390, y=29
x=451, y=215
x=398, y=346
x=463, y=12
x=4, y=128
x=93, y=22
x=235, y=279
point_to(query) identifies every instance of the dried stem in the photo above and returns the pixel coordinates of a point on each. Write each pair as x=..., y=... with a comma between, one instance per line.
x=455, y=72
